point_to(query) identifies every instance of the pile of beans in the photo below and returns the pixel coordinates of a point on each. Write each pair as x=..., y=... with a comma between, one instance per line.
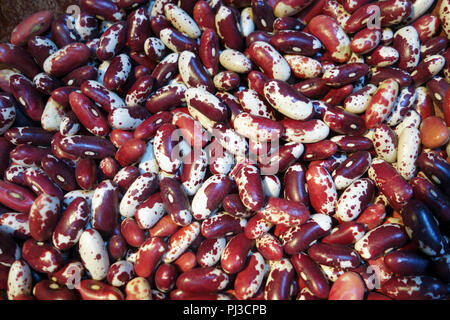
x=227, y=149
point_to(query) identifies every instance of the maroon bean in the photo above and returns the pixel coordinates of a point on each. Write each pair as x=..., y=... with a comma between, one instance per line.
x=59, y=172
x=234, y=256
x=436, y=169
x=380, y=239
x=86, y=173
x=40, y=48
x=202, y=280
x=300, y=237
x=87, y=146
x=118, y=71
x=394, y=12
x=90, y=289
x=63, y=31
x=125, y=177
x=71, y=224
x=149, y=254
x=166, y=70
x=16, y=197
x=406, y=263
x=351, y=169
x=390, y=183
x=42, y=257
x=33, y=25
x=422, y=227
x=334, y=255
x=296, y=42
x=79, y=75
x=429, y=194
x=228, y=29
x=165, y=277
x=346, y=233
x=343, y=122
x=131, y=232
x=112, y=41
x=263, y=13
x=108, y=100
x=48, y=290
x=338, y=44
x=176, y=41
x=311, y=274
x=88, y=114
x=103, y=8
x=24, y=92
x=345, y=74
x=117, y=247
x=176, y=201
x=414, y=288
x=45, y=83
x=138, y=29
x=221, y=225
x=16, y=57
x=43, y=216
x=67, y=59
x=294, y=182
x=130, y=152
x=279, y=280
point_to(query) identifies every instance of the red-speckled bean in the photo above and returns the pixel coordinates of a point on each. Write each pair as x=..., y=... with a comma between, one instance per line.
x=43, y=216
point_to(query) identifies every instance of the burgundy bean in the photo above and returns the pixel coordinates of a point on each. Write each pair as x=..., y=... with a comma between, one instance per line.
x=380, y=74
x=249, y=281
x=300, y=237
x=59, y=172
x=71, y=224
x=380, y=239
x=33, y=25
x=222, y=224
x=390, y=183
x=202, y=280
x=17, y=58
x=348, y=286
x=429, y=194
x=414, y=288
x=269, y=60
x=228, y=29
x=104, y=207
x=117, y=72
x=436, y=169
x=406, y=263
x=103, y=8
x=67, y=59
x=321, y=189
x=234, y=256
x=16, y=197
x=177, y=41
x=10, y=253
x=333, y=37
x=86, y=173
x=193, y=72
x=24, y=92
x=311, y=274
x=43, y=216
x=45, y=83
x=63, y=30
x=334, y=255
x=176, y=201
x=42, y=257
x=87, y=146
x=165, y=277
x=79, y=75
x=279, y=280
x=148, y=255
x=131, y=232
x=90, y=289
x=422, y=227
